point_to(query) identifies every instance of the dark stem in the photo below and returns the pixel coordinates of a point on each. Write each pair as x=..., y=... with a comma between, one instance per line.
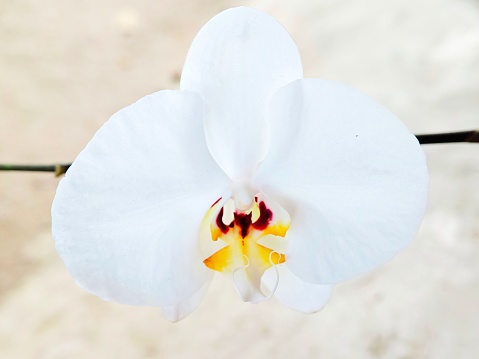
x=58, y=169
x=451, y=137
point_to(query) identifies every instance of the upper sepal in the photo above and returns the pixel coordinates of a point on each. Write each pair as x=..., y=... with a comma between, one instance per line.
x=236, y=62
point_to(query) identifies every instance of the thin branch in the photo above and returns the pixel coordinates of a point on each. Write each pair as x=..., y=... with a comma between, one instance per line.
x=58, y=169
x=451, y=137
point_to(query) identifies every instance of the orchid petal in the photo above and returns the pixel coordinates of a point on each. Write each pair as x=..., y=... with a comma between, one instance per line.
x=295, y=293
x=177, y=312
x=352, y=177
x=127, y=215
x=236, y=62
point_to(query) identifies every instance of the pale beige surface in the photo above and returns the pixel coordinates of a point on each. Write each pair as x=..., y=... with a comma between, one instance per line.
x=66, y=66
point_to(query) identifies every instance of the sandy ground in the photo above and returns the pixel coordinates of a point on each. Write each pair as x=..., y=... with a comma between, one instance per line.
x=66, y=66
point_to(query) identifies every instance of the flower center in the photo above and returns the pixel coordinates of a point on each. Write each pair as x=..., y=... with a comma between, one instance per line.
x=245, y=242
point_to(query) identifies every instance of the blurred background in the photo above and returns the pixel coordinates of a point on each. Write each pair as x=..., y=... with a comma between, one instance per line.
x=66, y=66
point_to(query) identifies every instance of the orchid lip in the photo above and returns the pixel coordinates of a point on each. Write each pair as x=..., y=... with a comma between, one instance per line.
x=237, y=232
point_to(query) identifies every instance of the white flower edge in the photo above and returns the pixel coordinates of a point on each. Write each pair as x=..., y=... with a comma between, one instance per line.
x=295, y=293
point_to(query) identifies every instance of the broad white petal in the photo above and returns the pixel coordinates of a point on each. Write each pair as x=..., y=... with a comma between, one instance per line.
x=126, y=217
x=295, y=293
x=177, y=312
x=236, y=62
x=352, y=177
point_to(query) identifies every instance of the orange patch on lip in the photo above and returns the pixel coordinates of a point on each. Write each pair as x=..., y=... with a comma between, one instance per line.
x=220, y=260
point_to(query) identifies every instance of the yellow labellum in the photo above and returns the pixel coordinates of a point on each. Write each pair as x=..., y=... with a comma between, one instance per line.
x=239, y=231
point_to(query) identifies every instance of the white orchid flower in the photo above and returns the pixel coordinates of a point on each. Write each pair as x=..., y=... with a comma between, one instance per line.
x=289, y=185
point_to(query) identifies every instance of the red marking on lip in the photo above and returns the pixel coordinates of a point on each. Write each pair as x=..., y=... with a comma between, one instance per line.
x=244, y=222
x=265, y=217
x=219, y=222
x=219, y=199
